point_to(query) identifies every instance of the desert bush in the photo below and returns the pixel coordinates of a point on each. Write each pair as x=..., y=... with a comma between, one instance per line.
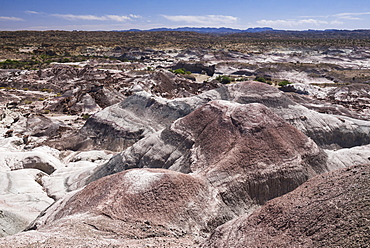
x=284, y=83
x=47, y=90
x=85, y=116
x=224, y=79
x=180, y=71
x=262, y=80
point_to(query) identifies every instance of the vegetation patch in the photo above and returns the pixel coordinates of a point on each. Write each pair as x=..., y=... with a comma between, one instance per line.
x=181, y=71
x=284, y=83
x=263, y=80
x=225, y=79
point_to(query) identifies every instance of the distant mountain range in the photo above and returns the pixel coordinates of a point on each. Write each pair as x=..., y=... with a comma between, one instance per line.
x=205, y=30
x=223, y=30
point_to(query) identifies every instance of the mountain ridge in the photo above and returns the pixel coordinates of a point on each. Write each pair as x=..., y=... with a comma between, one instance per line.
x=208, y=30
x=224, y=30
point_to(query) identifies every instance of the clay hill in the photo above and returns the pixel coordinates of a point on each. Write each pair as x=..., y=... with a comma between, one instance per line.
x=231, y=158
x=329, y=210
x=121, y=125
x=199, y=168
x=189, y=169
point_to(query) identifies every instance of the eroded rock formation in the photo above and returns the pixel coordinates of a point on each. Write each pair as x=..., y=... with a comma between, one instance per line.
x=329, y=210
x=238, y=155
x=119, y=126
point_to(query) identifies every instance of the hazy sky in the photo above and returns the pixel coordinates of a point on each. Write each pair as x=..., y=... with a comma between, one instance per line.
x=147, y=14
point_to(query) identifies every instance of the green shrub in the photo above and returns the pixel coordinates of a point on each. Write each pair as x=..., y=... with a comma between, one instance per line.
x=47, y=90
x=284, y=83
x=180, y=71
x=224, y=79
x=65, y=60
x=262, y=80
x=85, y=116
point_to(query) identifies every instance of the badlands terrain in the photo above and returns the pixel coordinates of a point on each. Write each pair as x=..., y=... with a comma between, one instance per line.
x=180, y=139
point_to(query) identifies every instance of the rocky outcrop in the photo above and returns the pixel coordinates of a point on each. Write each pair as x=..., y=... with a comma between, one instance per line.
x=338, y=159
x=196, y=68
x=71, y=177
x=178, y=202
x=117, y=127
x=41, y=158
x=330, y=210
x=237, y=157
x=325, y=107
x=121, y=125
x=353, y=96
x=168, y=85
x=73, y=90
x=247, y=140
x=38, y=125
x=130, y=208
x=325, y=129
x=22, y=199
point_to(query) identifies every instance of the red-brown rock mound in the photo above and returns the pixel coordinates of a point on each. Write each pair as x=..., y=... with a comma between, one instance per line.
x=237, y=156
x=168, y=199
x=329, y=210
x=245, y=151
